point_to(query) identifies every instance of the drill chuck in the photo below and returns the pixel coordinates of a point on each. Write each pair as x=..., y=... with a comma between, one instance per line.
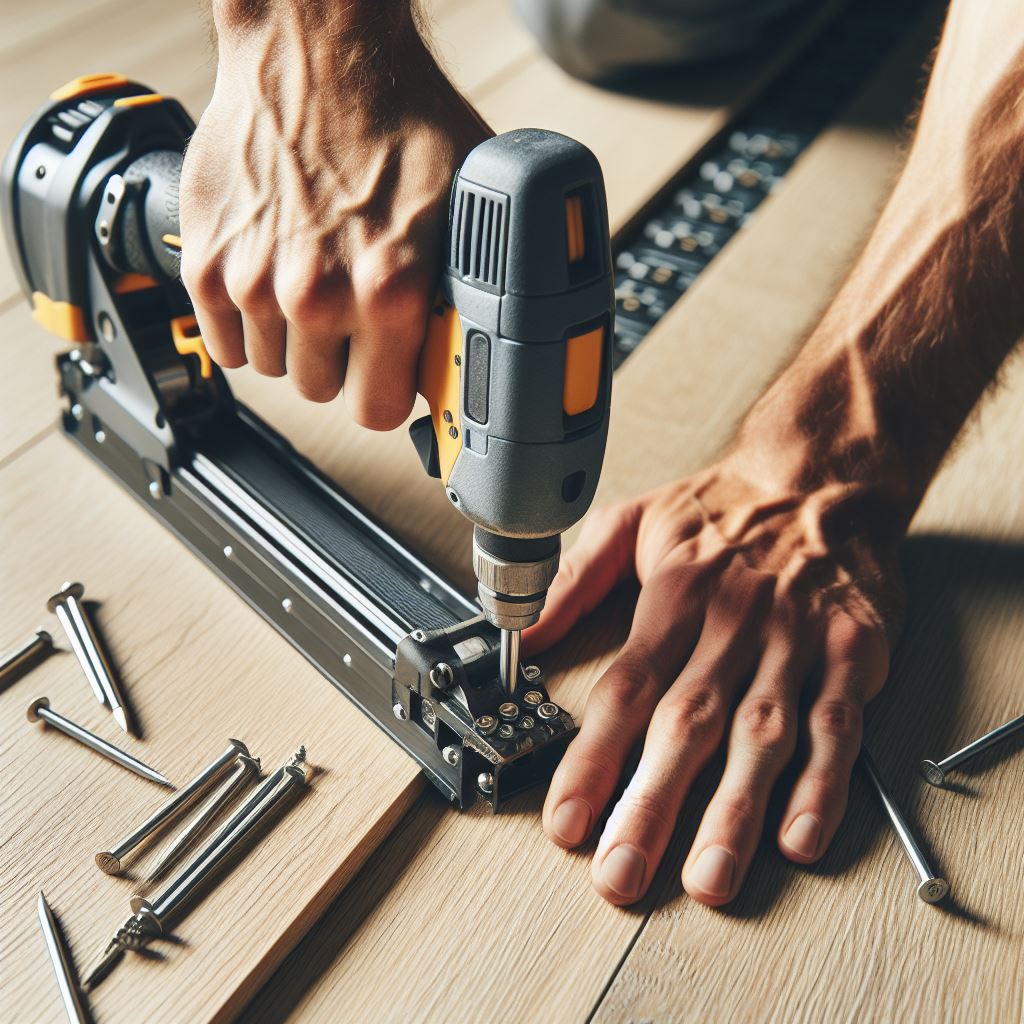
x=513, y=576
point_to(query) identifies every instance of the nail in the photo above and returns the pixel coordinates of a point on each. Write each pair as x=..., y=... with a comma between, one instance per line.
x=623, y=871
x=571, y=820
x=713, y=871
x=803, y=836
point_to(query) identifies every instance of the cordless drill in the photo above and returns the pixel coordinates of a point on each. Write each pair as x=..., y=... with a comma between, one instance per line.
x=516, y=367
x=517, y=364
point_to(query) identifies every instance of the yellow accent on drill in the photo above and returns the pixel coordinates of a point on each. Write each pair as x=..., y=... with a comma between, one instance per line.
x=131, y=282
x=86, y=84
x=439, y=379
x=574, y=228
x=174, y=241
x=583, y=358
x=61, y=318
x=142, y=100
x=188, y=341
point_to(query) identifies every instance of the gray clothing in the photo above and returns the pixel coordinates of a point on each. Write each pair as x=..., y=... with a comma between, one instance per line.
x=602, y=39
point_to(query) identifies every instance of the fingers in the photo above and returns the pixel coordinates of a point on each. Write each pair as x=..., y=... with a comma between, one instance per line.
x=600, y=558
x=685, y=730
x=220, y=323
x=856, y=663
x=391, y=316
x=621, y=703
x=762, y=740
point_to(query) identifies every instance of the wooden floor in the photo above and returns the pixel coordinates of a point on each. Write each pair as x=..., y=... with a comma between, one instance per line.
x=428, y=915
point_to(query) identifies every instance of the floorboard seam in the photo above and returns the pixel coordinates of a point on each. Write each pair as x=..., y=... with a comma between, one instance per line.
x=25, y=446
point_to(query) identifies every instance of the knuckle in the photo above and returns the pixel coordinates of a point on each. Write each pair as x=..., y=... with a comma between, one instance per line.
x=626, y=685
x=767, y=723
x=385, y=287
x=302, y=295
x=204, y=283
x=852, y=642
x=652, y=806
x=740, y=810
x=697, y=716
x=838, y=719
x=253, y=293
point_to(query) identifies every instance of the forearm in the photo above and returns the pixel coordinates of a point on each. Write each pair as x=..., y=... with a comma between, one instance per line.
x=934, y=305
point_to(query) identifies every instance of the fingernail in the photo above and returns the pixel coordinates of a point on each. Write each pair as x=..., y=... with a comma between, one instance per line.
x=713, y=871
x=571, y=820
x=623, y=870
x=803, y=835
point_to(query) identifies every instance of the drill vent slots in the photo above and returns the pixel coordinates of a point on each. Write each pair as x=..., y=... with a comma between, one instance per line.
x=478, y=241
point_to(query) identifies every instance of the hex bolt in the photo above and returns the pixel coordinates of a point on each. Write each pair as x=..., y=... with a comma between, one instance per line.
x=935, y=773
x=931, y=888
x=111, y=861
x=12, y=666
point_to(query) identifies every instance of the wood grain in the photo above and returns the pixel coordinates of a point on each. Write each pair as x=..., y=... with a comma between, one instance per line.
x=543, y=943
x=198, y=666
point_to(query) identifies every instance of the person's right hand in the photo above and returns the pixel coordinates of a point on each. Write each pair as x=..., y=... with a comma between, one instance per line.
x=314, y=196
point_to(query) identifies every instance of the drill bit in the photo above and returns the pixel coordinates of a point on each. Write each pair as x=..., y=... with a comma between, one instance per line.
x=508, y=664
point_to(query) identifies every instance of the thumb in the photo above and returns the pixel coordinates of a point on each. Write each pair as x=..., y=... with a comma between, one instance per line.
x=603, y=556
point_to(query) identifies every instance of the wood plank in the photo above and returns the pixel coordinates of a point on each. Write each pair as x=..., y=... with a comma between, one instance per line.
x=198, y=666
x=456, y=884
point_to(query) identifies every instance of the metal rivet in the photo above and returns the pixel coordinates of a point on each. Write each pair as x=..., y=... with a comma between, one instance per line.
x=107, y=328
x=40, y=171
x=428, y=715
x=100, y=436
x=485, y=783
x=156, y=491
x=533, y=696
x=399, y=712
x=347, y=659
x=451, y=755
x=77, y=412
x=547, y=710
x=286, y=604
x=228, y=551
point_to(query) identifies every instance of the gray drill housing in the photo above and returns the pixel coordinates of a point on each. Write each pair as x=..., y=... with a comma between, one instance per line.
x=520, y=300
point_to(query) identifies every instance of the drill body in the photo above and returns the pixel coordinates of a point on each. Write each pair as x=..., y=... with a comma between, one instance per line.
x=517, y=363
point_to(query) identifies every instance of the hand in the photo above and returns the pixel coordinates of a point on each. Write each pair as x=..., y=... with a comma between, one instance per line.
x=314, y=196
x=763, y=617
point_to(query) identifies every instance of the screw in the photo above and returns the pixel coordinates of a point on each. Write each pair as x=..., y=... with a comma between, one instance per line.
x=428, y=714
x=486, y=724
x=40, y=709
x=451, y=755
x=485, y=783
x=936, y=773
x=399, y=712
x=931, y=888
x=441, y=676
x=11, y=666
x=530, y=672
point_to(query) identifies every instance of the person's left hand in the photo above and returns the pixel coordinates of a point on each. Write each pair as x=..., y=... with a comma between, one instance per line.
x=762, y=618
